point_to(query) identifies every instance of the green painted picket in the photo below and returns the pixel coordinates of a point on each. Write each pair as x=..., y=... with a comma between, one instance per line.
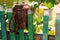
x=2, y=22
x=45, y=23
x=30, y=25
x=11, y=34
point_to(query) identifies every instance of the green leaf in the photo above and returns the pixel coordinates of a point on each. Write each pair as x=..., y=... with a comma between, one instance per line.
x=45, y=2
x=36, y=0
x=39, y=19
x=50, y=5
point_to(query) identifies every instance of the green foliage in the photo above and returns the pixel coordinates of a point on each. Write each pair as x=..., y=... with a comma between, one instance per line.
x=32, y=0
x=9, y=3
x=48, y=3
x=35, y=6
x=1, y=2
x=39, y=19
x=36, y=0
